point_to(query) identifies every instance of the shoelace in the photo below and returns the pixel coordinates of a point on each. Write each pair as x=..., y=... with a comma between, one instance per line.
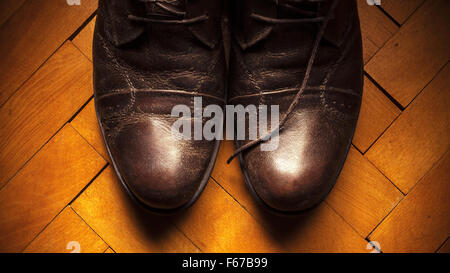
x=324, y=20
x=175, y=15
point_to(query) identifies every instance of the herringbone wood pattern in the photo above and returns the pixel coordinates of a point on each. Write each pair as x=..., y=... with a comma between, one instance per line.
x=57, y=186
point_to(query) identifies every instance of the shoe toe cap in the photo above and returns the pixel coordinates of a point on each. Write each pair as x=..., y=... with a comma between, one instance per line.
x=303, y=169
x=287, y=187
x=162, y=172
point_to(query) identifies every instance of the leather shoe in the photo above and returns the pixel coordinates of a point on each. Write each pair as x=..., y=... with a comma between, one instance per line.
x=148, y=57
x=306, y=57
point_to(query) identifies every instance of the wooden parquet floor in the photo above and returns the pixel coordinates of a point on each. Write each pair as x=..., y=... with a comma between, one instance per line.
x=58, y=192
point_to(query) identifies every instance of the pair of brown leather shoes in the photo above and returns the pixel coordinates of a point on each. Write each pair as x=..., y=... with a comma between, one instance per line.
x=304, y=56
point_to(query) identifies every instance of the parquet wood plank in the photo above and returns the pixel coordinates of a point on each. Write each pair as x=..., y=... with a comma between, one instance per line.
x=42, y=106
x=418, y=138
x=400, y=10
x=123, y=225
x=8, y=7
x=217, y=223
x=369, y=49
x=362, y=195
x=376, y=26
x=66, y=228
x=45, y=185
x=87, y=125
x=420, y=223
x=318, y=230
x=83, y=41
x=377, y=113
x=32, y=34
x=409, y=61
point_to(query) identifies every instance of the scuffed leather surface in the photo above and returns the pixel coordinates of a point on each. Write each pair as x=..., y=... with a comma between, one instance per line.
x=315, y=140
x=142, y=70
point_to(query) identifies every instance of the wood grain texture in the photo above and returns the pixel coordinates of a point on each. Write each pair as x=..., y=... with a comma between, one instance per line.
x=22, y=51
x=216, y=223
x=376, y=28
x=7, y=8
x=362, y=195
x=67, y=227
x=445, y=248
x=420, y=223
x=377, y=113
x=415, y=54
x=369, y=49
x=42, y=106
x=44, y=187
x=84, y=40
x=401, y=10
x=318, y=230
x=418, y=138
x=87, y=125
x=124, y=226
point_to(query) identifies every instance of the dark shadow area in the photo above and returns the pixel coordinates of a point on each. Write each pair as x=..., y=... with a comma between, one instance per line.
x=285, y=227
x=155, y=226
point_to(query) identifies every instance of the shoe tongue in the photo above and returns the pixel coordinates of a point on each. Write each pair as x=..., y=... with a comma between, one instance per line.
x=113, y=16
x=120, y=31
x=247, y=31
x=251, y=32
x=164, y=7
